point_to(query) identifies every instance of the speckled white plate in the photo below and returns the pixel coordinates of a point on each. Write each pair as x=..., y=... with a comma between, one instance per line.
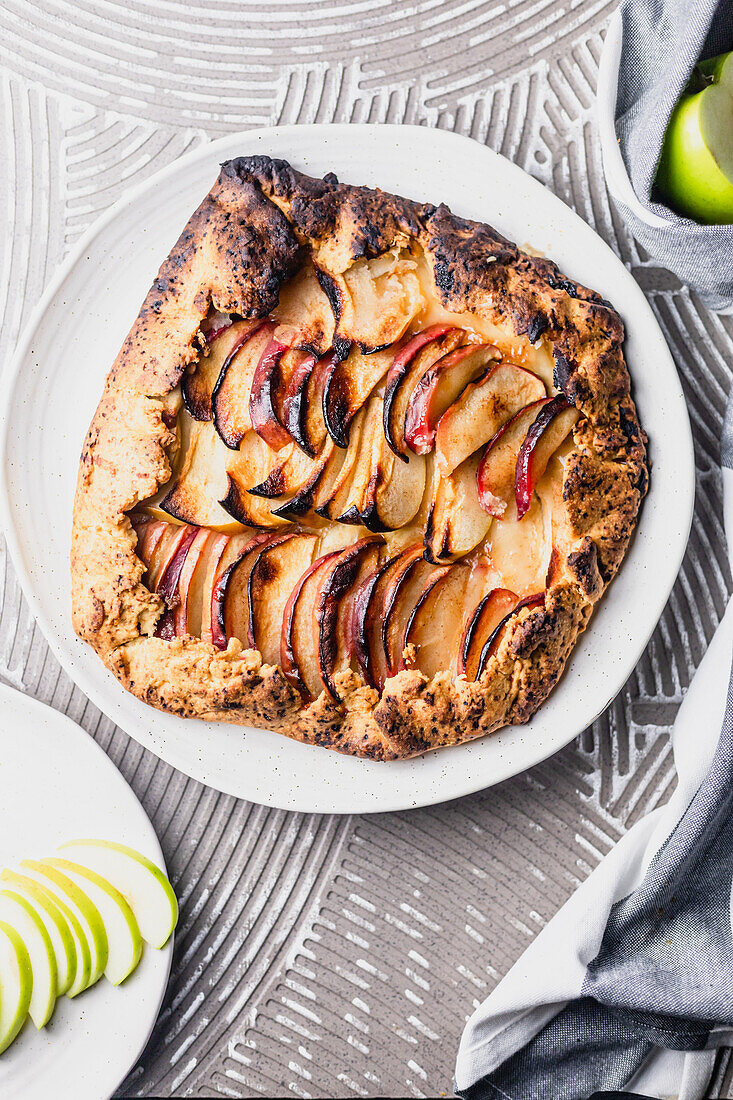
x=54, y=383
x=56, y=784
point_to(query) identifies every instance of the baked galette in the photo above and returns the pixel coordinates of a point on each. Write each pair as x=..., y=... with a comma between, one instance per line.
x=359, y=474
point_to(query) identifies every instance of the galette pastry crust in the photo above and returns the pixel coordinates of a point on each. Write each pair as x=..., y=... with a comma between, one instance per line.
x=247, y=237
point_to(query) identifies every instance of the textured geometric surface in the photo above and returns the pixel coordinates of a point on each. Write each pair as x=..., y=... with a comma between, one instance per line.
x=323, y=956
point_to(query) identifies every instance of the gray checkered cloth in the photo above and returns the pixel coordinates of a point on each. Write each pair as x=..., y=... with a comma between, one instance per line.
x=662, y=40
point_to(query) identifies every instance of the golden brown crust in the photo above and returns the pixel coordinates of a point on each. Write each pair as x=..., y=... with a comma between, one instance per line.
x=246, y=238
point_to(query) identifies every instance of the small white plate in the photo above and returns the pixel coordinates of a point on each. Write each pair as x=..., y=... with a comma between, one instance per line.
x=54, y=383
x=57, y=784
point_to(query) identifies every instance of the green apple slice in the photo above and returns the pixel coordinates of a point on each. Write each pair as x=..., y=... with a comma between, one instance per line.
x=696, y=167
x=85, y=911
x=123, y=935
x=55, y=924
x=20, y=915
x=16, y=984
x=145, y=886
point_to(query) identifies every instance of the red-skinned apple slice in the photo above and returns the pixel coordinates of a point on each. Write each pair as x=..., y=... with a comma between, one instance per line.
x=497, y=469
x=149, y=536
x=276, y=570
x=266, y=396
x=551, y=426
x=425, y=634
x=401, y=594
x=298, y=642
x=492, y=643
x=225, y=343
x=294, y=406
x=215, y=325
x=333, y=610
x=231, y=398
x=481, y=410
x=214, y=556
x=412, y=360
x=363, y=623
x=439, y=387
x=456, y=522
x=190, y=585
x=167, y=584
x=238, y=548
x=480, y=626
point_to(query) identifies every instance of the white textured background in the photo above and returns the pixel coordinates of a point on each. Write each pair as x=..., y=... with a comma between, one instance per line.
x=338, y=957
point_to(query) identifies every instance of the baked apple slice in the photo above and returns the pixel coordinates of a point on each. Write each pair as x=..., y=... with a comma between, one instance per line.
x=481, y=410
x=251, y=465
x=216, y=586
x=149, y=535
x=299, y=658
x=394, y=490
x=189, y=610
x=498, y=474
x=374, y=302
x=294, y=468
x=194, y=493
x=337, y=498
x=491, y=645
x=316, y=489
x=433, y=630
x=212, y=568
x=401, y=596
x=225, y=343
x=480, y=626
x=304, y=313
x=412, y=361
x=520, y=550
x=364, y=623
x=230, y=598
x=439, y=387
x=166, y=585
x=269, y=385
x=333, y=607
x=456, y=522
x=549, y=429
x=276, y=569
x=348, y=387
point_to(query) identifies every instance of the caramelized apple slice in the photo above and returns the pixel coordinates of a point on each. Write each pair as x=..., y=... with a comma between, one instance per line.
x=551, y=426
x=304, y=312
x=332, y=504
x=267, y=393
x=456, y=521
x=435, y=624
x=294, y=468
x=195, y=491
x=480, y=626
x=348, y=388
x=537, y=599
x=481, y=410
x=251, y=465
x=333, y=610
x=498, y=467
x=412, y=361
x=149, y=535
x=237, y=549
x=316, y=489
x=297, y=394
x=189, y=610
x=439, y=387
x=394, y=489
x=226, y=347
x=276, y=569
x=299, y=659
x=401, y=596
x=365, y=623
x=373, y=302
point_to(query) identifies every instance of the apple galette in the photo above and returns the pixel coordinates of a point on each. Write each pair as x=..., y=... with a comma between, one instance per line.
x=359, y=474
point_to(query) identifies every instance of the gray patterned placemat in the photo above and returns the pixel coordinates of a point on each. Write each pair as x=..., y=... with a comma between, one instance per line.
x=322, y=956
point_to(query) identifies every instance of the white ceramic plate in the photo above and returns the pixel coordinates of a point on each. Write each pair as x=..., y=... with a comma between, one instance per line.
x=57, y=784
x=54, y=383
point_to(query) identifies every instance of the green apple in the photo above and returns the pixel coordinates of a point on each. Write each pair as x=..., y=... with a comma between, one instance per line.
x=145, y=886
x=86, y=913
x=57, y=926
x=123, y=934
x=695, y=173
x=16, y=984
x=20, y=915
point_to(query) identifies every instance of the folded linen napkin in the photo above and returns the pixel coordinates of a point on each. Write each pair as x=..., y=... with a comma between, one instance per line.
x=662, y=41
x=631, y=983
